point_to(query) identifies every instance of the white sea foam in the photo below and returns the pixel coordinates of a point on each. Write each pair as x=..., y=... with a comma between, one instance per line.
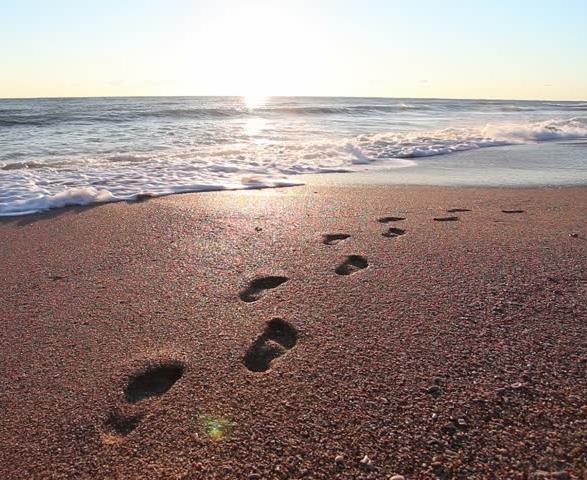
x=441, y=142
x=41, y=202
x=54, y=165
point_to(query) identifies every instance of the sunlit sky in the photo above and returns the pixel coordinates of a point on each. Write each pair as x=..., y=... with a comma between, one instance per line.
x=417, y=48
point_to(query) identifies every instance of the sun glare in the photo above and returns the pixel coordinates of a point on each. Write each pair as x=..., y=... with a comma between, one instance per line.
x=258, y=52
x=255, y=101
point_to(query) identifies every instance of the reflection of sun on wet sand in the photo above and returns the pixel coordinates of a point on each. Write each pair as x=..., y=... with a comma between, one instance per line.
x=282, y=334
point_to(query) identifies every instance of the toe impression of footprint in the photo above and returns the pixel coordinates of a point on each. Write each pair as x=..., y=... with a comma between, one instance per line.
x=258, y=287
x=352, y=264
x=334, y=238
x=152, y=381
x=393, y=232
x=278, y=338
x=390, y=219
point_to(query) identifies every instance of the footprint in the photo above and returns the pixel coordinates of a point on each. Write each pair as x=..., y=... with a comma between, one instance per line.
x=122, y=424
x=512, y=211
x=458, y=210
x=334, y=238
x=153, y=382
x=446, y=219
x=393, y=232
x=390, y=219
x=279, y=337
x=352, y=264
x=257, y=287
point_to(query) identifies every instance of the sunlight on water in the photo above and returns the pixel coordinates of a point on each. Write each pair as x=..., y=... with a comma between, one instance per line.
x=254, y=126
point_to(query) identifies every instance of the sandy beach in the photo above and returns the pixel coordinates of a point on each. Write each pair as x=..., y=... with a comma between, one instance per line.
x=320, y=332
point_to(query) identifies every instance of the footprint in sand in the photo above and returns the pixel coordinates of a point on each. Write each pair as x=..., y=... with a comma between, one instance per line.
x=393, y=232
x=512, y=211
x=259, y=286
x=334, y=238
x=152, y=381
x=458, y=210
x=446, y=219
x=352, y=264
x=120, y=424
x=279, y=337
x=390, y=219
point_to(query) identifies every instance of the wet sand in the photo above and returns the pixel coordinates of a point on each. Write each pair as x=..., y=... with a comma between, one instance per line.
x=322, y=332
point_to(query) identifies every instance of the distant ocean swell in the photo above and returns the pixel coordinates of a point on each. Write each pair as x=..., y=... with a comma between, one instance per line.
x=19, y=118
x=23, y=118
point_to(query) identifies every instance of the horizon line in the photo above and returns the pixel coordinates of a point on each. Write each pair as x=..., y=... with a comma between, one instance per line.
x=294, y=96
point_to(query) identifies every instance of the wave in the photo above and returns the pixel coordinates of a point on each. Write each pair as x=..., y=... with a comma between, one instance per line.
x=516, y=108
x=442, y=142
x=81, y=196
x=346, y=109
x=95, y=176
x=23, y=119
x=43, y=202
x=22, y=165
x=580, y=107
x=95, y=113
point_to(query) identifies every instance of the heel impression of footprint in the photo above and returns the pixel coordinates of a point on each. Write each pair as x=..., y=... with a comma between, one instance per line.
x=147, y=383
x=276, y=340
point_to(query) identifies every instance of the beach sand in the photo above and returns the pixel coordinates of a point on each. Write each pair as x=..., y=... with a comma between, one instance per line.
x=143, y=341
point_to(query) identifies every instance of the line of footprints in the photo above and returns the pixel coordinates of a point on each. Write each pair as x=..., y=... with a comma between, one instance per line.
x=279, y=336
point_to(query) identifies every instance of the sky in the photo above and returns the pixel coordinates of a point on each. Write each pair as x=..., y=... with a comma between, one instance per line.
x=381, y=48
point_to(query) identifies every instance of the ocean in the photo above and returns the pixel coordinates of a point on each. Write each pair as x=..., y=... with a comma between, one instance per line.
x=76, y=151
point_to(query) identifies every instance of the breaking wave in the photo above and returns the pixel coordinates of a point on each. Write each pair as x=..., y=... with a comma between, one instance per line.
x=450, y=140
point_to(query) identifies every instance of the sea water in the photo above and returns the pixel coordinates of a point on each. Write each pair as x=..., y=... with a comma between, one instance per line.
x=58, y=152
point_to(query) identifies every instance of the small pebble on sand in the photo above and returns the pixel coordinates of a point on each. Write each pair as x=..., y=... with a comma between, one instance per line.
x=367, y=462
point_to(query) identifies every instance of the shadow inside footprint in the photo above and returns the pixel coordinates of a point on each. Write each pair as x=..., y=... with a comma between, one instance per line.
x=512, y=211
x=334, y=238
x=352, y=264
x=393, y=232
x=446, y=219
x=257, y=287
x=279, y=337
x=390, y=219
x=458, y=210
x=153, y=381
x=121, y=424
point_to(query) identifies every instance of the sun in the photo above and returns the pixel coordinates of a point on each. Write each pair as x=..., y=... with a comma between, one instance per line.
x=258, y=51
